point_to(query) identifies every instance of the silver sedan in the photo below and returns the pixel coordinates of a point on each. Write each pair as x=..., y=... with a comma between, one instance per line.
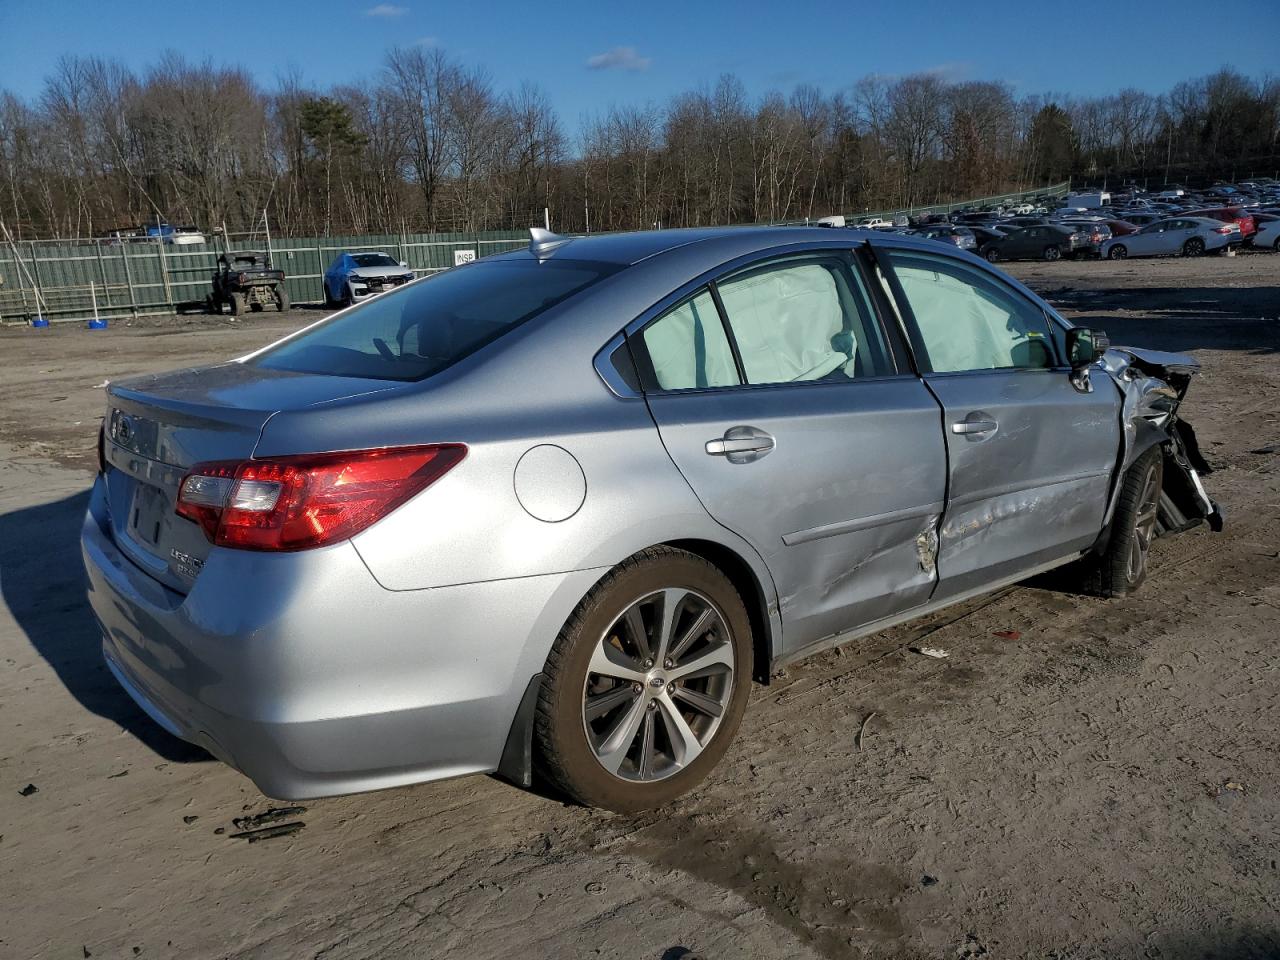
x=1175, y=236
x=563, y=504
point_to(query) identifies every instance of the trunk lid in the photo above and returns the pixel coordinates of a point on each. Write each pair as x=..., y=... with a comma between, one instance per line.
x=157, y=427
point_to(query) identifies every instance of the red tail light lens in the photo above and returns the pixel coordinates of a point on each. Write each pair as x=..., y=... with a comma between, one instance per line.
x=295, y=503
x=1224, y=230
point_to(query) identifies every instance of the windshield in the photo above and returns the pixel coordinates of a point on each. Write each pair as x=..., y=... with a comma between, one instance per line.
x=374, y=260
x=423, y=327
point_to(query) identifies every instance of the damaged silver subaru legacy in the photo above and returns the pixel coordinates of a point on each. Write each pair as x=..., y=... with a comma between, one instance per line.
x=554, y=510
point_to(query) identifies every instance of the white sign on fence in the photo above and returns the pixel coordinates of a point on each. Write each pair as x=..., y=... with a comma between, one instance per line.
x=463, y=256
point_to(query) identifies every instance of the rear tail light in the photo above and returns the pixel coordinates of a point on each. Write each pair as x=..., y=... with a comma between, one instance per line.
x=1224, y=230
x=299, y=502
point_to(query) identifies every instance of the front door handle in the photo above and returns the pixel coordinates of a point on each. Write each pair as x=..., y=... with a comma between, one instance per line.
x=976, y=426
x=741, y=445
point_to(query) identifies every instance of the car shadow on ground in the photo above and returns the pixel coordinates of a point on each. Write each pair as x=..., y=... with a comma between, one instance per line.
x=1179, y=318
x=44, y=590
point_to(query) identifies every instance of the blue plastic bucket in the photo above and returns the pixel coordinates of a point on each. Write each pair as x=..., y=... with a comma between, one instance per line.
x=98, y=324
x=39, y=322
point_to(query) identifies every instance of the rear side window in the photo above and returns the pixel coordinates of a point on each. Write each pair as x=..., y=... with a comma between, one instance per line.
x=421, y=328
x=688, y=349
x=803, y=320
x=966, y=320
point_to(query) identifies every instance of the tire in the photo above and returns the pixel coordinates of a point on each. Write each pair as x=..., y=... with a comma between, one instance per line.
x=1118, y=252
x=626, y=717
x=1122, y=567
x=282, y=298
x=237, y=303
x=328, y=300
x=1276, y=246
x=1193, y=247
x=1053, y=252
x=992, y=255
x=348, y=298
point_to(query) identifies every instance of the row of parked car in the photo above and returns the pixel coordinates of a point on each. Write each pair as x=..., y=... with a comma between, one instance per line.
x=1135, y=223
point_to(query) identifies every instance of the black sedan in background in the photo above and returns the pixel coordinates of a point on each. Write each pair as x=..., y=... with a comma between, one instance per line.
x=1048, y=241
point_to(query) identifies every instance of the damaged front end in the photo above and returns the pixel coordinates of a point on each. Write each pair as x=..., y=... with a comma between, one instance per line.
x=1153, y=384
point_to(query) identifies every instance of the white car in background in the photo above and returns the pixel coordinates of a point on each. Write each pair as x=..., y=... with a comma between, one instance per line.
x=355, y=276
x=874, y=223
x=1185, y=236
x=1268, y=235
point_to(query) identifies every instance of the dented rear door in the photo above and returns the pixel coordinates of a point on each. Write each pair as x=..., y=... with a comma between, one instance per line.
x=836, y=474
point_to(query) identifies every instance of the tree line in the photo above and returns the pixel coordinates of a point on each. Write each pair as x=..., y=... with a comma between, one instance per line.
x=430, y=144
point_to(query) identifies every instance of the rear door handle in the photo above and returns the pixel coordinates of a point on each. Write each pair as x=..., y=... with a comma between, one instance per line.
x=741, y=445
x=976, y=426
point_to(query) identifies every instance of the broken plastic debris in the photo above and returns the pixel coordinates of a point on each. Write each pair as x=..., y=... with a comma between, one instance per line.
x=102, y=385
x=1007, y=634
x=937, y=653
x=28, y=790
x=1232, y=785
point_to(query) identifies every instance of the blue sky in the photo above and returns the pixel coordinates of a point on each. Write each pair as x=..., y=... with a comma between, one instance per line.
x=588, y=55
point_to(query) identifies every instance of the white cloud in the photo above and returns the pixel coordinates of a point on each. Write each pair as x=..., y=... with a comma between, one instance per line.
x=619, y=58
x=427, y=42
x=386, y=10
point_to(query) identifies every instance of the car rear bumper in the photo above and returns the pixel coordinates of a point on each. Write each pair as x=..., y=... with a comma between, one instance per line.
x=303, y=673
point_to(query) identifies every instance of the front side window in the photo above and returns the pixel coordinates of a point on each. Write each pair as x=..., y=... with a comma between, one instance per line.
x=966, y=320
x=803, y=320
x=421, y=328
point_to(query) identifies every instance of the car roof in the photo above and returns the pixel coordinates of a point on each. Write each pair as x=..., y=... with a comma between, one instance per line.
x=625, y=249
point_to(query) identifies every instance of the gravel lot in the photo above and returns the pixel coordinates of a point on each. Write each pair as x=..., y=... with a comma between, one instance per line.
x=1080, y=779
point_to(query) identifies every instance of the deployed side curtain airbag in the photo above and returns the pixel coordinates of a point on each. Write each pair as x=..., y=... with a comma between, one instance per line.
x=688, y=347
x=787, y=323
x=965, y=327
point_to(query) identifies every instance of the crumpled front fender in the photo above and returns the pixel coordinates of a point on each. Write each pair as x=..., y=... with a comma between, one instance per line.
x=1152, y=386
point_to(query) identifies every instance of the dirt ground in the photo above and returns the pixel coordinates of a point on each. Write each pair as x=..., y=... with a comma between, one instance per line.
x=1080, y=779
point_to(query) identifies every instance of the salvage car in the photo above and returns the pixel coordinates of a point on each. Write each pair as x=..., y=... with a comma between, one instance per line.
x=1176, y=236
x=356, y=276
x=558, y=507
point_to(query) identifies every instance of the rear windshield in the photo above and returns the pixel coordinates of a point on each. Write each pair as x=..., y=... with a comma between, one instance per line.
x=423, y=327
x=373, y=260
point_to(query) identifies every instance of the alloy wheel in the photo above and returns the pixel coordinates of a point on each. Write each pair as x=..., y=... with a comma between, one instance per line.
x=658, y=685
x=1144, y=525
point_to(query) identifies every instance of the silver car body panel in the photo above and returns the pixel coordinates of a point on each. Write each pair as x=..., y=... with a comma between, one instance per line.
x=403, y=654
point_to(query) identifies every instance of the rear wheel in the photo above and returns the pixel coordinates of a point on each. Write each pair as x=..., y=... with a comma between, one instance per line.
x=1118, y=252
x=646, y=684
x=237, y=303
x=1193, y=247
x=282, y=298
x=1053, y=253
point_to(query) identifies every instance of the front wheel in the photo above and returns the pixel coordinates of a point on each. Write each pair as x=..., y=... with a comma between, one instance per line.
x=1053, y=253
x=1122, y=567
x=1193, y=247
x=992, y=254
x=1118, y=252
x=646, y=684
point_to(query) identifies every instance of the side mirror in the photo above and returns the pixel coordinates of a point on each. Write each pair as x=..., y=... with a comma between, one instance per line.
x=1084, y=347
